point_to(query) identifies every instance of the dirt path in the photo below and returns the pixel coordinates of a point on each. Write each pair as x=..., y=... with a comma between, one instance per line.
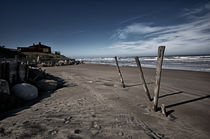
x=94, y=105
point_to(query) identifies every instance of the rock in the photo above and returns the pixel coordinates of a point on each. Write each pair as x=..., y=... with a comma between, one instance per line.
x=46, y=85
x=25, y=91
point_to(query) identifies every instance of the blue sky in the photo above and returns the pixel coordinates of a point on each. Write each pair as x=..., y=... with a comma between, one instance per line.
x=84, y=28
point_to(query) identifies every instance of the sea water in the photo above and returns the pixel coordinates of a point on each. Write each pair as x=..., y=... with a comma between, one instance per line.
x=191, y=63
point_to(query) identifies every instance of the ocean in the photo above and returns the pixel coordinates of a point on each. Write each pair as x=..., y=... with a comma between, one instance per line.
x=191, y=63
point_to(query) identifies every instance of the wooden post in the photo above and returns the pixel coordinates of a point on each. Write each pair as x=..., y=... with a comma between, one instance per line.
x=142, y=78
x=3, y=74
x=161, y=50
x=27, y=72
x=120, y=74
x=22, y=72
x=163, y=110
x=1, y=69
x=7, y=71
x=18, y=71
x=37, y=60
x=16, y=58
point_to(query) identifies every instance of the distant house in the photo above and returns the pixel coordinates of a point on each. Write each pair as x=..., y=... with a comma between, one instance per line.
x=36, y=48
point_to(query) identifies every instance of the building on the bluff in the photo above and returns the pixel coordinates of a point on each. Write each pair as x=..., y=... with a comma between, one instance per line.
x=36, y=48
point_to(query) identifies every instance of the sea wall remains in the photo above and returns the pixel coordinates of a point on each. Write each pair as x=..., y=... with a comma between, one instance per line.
x=16, y=72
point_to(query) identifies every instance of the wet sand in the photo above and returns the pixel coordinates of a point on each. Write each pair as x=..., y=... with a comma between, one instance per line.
x=93, y=104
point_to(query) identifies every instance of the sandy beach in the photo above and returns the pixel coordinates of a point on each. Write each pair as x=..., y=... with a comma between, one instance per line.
x=93, y=104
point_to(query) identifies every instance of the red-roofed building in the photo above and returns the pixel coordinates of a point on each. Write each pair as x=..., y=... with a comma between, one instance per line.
x=36, y=48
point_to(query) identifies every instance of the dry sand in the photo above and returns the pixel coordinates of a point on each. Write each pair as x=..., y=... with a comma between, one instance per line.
x=94, y=105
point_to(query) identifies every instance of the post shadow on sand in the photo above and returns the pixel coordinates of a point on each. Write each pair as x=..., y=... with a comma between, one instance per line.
x=26, y=105
x=174, y=93
x=133, y=85
x=180, y=103
x=187, y=101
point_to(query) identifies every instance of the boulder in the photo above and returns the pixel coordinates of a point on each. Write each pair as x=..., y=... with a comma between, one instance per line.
x=25, y=91
x=46, y=85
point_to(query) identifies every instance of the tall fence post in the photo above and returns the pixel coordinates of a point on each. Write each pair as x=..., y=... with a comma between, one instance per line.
x=142, y=78
x=120, y=74
x=161, y=50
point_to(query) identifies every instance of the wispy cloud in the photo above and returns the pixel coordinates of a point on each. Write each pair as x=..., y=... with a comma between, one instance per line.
x=190, y=13
x=133, y=18
x=186, y=38
x=135, y=29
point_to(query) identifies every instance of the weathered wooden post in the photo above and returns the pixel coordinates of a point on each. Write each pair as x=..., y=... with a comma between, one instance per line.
x=17, y=71
x=22, y=72
x=1, y=69
x=27, y=72
x=16, y=58
x=120, y=74
x=37, y=60
x=161, y=50
x=142, y=78
x=163, y=110
x=7, y=71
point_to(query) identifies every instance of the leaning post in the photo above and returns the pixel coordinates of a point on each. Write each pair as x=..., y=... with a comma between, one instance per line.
x=142, y=78
x=161, y=50
x=120, y=74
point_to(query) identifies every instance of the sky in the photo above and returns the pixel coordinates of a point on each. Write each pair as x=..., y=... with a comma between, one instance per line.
x=100, y=28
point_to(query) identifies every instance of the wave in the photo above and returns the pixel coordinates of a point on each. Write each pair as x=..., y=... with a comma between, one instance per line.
x=192, y=63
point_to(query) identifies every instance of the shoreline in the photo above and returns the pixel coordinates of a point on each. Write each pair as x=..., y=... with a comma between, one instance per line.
x=189, y=63
x=148, y=67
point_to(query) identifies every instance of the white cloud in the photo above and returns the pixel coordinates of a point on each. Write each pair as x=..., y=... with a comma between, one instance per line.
x=186, y=38
x=135, y=29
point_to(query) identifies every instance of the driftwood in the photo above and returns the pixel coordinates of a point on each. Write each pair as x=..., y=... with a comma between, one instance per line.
x=142, y=78
x=120, y=74
x=161, y=50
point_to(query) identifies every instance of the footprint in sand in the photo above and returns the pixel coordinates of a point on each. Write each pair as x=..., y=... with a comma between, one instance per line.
x=77, y=131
